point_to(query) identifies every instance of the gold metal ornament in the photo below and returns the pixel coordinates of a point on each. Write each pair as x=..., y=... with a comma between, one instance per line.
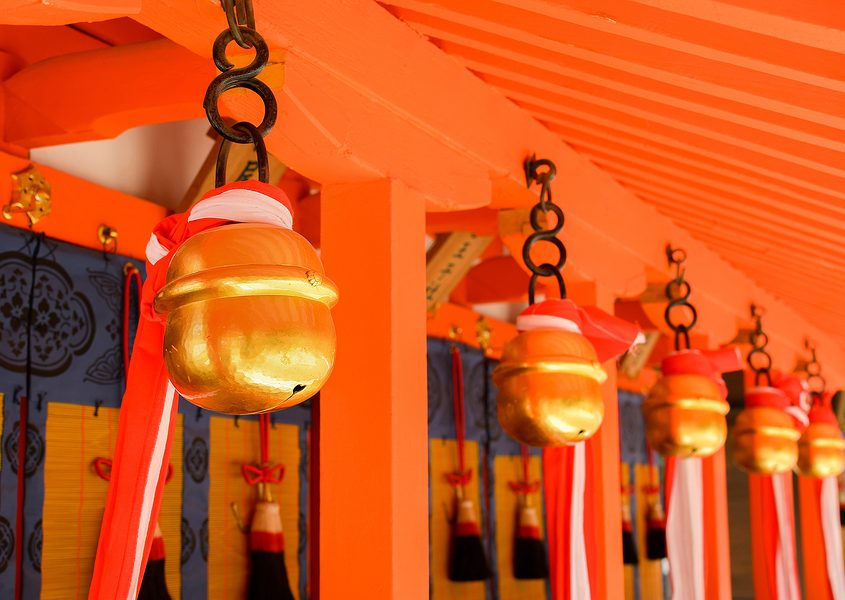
x=30, y=196
x=685, y=416
x=821, y=450
x=765, y=440
x=549, y=388
x=249, y=327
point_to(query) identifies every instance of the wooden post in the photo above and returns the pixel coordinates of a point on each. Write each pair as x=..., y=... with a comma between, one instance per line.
x=373, y=417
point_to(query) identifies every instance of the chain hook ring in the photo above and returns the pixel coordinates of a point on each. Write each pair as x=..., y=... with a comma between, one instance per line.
x=678, y=291
x=239, y=14
x=534, y=174
x=759, y=340
x=815, y=380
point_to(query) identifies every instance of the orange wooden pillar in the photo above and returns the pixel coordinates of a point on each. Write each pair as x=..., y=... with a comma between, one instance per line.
x=816, y=584
x=373, y=531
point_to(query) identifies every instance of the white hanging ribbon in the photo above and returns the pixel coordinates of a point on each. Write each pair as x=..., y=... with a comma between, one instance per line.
x=685, y=531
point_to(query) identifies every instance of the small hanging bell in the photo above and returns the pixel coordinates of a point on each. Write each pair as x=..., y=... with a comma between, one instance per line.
x=821, y=449
x=550, y=375
x=249, y=328
x=685, y=411
x=765, y=436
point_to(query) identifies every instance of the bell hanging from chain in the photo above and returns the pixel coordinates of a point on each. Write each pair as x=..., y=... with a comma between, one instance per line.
x=550, y=375
x=685, y=410
x=247, y=308
x=821, y=449
x=765, y=434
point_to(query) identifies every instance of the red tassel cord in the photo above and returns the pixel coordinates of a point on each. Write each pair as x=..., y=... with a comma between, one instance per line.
x=130, y=274
x=529, y=557
x=268, y=578
x=21, y=495
x=468, y=561
x=656, y=518
x=154, y=583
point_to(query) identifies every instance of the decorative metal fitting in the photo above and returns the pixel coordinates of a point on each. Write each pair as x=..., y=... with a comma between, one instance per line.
x=30, y=196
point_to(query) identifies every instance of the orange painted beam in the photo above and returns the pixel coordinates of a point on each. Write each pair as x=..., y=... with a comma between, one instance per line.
x=373, y=424
x=80, y=207
x=100, y=93
x=59, y=12
x=460, y=323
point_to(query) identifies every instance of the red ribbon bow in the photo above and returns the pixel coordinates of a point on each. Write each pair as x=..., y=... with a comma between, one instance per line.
x=272, y=474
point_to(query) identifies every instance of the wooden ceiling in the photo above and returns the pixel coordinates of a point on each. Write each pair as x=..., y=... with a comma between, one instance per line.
x=727, y=115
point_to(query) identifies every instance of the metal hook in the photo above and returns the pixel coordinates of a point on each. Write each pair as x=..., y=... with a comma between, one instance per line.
x=236, y=513
x=97, y=405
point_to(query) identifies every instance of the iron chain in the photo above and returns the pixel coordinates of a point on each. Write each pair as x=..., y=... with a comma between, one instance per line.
x=543, y=171
x=241, y=19
x=678, y=291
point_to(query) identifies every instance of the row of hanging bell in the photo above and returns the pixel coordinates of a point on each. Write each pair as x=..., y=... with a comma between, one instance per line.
x=775, y=433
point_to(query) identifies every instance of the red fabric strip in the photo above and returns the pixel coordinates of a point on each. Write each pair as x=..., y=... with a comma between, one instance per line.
x=263, y=541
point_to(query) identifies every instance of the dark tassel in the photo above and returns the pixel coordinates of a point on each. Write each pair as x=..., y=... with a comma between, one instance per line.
x=842, y=514
x=153, y=584
x=529, y=554
x=467, y=561
x=656, y=533
x=630, y=556
x=268, y=578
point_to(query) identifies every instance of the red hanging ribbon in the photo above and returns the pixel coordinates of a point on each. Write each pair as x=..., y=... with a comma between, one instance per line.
x=463, y=475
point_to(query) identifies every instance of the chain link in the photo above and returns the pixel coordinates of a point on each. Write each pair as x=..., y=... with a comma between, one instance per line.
x=758, y=359
x=241, y=20
x=678, y=291
x=815, y=381
x=543, y=171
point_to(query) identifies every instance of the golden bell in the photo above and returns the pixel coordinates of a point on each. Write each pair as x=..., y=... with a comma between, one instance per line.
x=685, y=415
x=249, y=328
x=765, y=439
x=549, y=388
x=821, y=449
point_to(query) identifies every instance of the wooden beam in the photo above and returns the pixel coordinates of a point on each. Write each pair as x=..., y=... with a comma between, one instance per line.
x=60, y=12
x=101, y=93
x=80, y=207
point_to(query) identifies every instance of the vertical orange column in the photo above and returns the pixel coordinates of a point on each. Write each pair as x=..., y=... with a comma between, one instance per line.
x=610, y=580
x=816, y=583
x=373, y=416
x=717, y=559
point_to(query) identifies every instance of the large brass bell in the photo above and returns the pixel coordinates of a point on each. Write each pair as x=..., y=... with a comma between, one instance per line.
x=765, y=438
x=249, y=328
x=549, y=388
x=821, y=449
x=685, y=410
